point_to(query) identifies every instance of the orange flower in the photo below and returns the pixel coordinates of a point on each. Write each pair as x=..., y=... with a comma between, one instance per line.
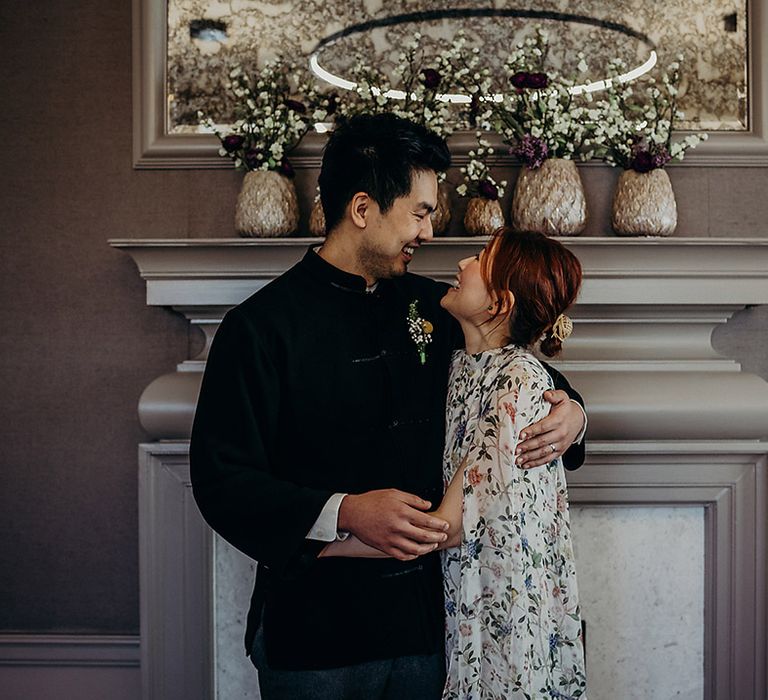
x=474, y=476
x=561, y=502
x=510, y=409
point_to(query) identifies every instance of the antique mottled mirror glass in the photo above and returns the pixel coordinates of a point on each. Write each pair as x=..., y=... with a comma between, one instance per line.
x=206, y=38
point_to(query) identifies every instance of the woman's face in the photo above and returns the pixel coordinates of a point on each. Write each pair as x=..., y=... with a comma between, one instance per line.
x=469, y=298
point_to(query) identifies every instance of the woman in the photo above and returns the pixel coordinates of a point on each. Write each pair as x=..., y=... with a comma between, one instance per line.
x=513, y=621
x=513, y=626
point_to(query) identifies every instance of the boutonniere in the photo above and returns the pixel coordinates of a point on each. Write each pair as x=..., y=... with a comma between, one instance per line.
x=420, y=330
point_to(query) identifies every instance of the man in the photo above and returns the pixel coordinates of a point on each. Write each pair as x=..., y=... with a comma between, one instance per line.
x=320, y=414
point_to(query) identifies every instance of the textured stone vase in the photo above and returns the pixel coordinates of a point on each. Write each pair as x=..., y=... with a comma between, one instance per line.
x=483, y=216
x=267, y=206
x=317, y=219
x=644, y=204
x=441, y=217
x=550, y=199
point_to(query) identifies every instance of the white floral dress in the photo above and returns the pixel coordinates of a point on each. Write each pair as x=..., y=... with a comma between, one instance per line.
x=513, y=625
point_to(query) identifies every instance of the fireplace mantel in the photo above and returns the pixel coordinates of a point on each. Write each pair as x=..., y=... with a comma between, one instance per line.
x=676, y=435
x=205, y=272
x=640, y=353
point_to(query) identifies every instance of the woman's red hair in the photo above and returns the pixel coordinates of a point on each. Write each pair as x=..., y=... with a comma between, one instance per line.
x=544, y=277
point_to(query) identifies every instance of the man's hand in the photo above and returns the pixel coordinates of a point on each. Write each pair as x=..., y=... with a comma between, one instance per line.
x=392, y=521
x=550, y=437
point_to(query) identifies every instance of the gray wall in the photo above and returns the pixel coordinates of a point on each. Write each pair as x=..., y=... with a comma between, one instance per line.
x=78, y=344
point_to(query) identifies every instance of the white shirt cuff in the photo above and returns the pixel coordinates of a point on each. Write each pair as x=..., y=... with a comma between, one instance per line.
x=326, y=526
x=583, y=432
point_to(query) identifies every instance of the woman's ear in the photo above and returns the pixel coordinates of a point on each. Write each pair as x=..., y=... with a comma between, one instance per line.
x=506, y=302
x=359, y=209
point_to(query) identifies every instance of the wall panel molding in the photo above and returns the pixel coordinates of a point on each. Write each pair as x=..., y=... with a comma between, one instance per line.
x=175, y=579
x=69, y=650
x=69, y=667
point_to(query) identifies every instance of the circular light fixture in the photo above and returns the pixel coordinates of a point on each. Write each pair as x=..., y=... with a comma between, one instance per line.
x=432, y=15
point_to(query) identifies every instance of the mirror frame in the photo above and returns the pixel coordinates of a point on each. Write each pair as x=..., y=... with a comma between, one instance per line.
x=155, y=148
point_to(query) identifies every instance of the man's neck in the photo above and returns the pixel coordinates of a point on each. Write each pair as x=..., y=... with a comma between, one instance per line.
x=341, y=254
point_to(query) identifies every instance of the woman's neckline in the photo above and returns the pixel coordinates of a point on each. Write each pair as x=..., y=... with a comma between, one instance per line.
x=490, y=352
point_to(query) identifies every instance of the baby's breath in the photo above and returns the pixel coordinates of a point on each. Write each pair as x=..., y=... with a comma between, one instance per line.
x=420, y=330
x=273, y=112
x=633, y=122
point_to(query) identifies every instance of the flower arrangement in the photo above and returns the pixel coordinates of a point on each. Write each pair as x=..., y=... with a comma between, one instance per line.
x=478, y=181
x=541, y=118
x=535, y=112
x=415, y=74
x=273, y=113
x=635, y=126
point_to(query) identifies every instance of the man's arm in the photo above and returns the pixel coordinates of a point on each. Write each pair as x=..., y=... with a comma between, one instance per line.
x=247, y=498
x=231, y=463
x=446, y=524
x=562, y=429
x=393, y=522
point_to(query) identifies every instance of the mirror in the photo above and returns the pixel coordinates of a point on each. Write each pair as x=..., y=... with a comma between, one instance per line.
x=186, y=48
x=205, y=39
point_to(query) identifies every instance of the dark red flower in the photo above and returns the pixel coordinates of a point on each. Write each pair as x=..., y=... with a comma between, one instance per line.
x=285, y=168
x=537, y=81
x=642, y=162
x=661, y=157
x=431, y=78
x=253, y=158
x=333, y=104
x=486, y=189
x=232, y=142
x=520, y=79
x=474, y=109
x=296, y=106
x=532, y=150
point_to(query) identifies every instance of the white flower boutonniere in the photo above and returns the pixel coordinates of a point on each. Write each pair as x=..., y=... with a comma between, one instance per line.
x=420, y=330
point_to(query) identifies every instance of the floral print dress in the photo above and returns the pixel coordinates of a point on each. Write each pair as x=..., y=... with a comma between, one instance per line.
x=513, y=625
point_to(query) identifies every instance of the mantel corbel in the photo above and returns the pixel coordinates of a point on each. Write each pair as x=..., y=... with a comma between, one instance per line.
x=640, y=354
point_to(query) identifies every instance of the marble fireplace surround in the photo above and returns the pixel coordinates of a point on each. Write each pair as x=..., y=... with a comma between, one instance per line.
x=672, y=423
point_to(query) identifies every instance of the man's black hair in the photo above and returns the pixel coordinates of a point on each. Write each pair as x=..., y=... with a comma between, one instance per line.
x=377, y=154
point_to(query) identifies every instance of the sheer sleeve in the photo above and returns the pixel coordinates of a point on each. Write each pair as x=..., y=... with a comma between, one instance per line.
x=514, y=401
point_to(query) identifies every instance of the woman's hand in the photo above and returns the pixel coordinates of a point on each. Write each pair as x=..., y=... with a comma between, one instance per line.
x=549, y=438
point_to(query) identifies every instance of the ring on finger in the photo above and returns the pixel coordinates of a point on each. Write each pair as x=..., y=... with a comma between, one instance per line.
x=552, y=447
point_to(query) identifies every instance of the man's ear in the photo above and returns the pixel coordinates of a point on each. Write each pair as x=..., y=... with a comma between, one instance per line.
x=360, y=208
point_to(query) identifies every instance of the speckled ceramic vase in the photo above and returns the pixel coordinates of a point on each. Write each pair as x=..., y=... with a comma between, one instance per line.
x=550, y=199
x=267, y=206
x=441, y=217
x=317, y=219
x=644, y=204
x=483, y=216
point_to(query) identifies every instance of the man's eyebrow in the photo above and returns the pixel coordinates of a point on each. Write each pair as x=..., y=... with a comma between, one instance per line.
x=425, y=205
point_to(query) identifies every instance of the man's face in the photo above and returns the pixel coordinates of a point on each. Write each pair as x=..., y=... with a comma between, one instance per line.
x=391, y=239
